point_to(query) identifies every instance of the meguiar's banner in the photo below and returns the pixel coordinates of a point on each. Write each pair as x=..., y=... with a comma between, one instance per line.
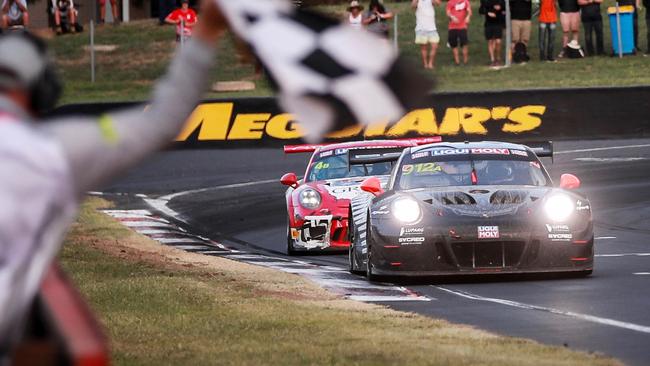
x=512, y=116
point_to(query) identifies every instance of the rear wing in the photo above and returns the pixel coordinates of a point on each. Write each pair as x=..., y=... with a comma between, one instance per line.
x=305, y=148
x=371, y=156
x=542, y=149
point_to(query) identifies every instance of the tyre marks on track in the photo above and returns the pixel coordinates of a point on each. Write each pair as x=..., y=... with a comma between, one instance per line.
x=334, y=279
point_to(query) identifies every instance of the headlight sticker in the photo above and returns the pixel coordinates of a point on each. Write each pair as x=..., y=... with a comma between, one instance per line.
x=411, y=231
x=559, y=232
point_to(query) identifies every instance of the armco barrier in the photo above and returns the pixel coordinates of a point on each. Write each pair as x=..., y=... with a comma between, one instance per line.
x=521, y=115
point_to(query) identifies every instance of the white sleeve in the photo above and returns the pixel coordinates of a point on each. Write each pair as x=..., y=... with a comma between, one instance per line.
x=99, y=149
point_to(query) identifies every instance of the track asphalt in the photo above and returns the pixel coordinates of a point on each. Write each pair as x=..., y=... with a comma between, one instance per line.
x=243, y=205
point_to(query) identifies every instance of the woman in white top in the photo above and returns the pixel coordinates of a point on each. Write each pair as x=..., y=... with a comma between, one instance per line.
x=355, y=16
x=426, y=32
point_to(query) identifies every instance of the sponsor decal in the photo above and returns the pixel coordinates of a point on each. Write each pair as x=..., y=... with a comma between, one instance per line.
x=491, y=151
x=421, y=168
x=408, y=231
x=421, y=154
x=341, y=151
x=488, y=232
x=326, y=153
x=380, y=212
x=443, y=152
x=519, y=152
x=535, y=164
x=581, y=206
x=222, y=121
x=344, y=192
x=411, y=241
x=560, y=237
x=557, y=228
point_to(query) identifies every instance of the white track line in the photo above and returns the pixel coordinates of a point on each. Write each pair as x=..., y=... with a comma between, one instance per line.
x=601, y=149
x=604, y=237
x=609, y=160
x=585, y=317
x=624, y=255
x=136, y=224
x=373, y=298
x=179, y=240
x=170, y=197
x=642, y=273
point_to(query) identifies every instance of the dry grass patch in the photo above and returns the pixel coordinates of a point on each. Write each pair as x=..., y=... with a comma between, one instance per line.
x=165, y=306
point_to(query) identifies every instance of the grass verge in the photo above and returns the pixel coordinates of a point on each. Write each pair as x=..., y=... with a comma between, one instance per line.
x=165, y=306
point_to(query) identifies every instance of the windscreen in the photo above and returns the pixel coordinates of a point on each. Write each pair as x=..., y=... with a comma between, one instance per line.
x=333, y=164
x=447, y=167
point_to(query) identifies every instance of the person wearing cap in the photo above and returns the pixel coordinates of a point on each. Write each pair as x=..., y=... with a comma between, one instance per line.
x=184, y=18
x=355, y=15
x=426, y=32
x=14, y=13
x=48, y=165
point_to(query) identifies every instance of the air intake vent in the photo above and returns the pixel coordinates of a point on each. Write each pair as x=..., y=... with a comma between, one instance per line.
x=455, y=198
x=507, y=197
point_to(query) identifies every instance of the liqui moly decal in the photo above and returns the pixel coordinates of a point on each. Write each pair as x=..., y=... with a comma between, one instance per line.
x=488, y=232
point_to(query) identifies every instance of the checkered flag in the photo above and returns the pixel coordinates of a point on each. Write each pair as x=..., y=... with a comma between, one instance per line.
x=328, y=75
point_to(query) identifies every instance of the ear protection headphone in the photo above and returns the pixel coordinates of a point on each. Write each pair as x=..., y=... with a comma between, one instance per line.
x=38, y=77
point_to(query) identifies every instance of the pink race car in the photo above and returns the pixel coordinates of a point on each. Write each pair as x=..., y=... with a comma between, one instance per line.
x=318, y=206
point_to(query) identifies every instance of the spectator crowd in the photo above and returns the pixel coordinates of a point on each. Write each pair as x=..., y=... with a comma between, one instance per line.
x=573, y=15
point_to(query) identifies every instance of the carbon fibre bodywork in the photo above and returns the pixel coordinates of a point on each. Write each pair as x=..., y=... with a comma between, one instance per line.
x=470, y=230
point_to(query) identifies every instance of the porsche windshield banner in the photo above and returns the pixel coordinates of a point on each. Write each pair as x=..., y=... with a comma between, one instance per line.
x=532, y=115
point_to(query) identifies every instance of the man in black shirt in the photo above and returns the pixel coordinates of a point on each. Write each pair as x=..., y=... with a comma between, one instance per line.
x=495, y=21
x=520, y=14
x=592, y=22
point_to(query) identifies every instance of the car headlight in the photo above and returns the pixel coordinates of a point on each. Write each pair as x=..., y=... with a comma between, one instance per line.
x=310, y=198
x=559, y=207
x=406, y=210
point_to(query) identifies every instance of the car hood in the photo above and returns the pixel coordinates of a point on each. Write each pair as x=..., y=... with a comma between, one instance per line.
x=346, y=188
x=481, y=201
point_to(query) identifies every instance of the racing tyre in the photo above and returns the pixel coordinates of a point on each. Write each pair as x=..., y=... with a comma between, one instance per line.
x=353, y=239
x=290, y=250
x=369, y=273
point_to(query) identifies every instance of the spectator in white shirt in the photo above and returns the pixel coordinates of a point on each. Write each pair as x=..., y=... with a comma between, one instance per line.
x=14, y=13
x=355, y=16
x=426, y=32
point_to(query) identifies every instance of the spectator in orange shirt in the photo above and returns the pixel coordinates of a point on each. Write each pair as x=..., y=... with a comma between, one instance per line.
x=184, y=18
x=547, y=24
x=459, y=13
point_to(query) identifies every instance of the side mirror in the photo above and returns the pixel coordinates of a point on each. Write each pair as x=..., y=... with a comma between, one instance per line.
x=290, y=180
x=569, y=181
x=372, y=185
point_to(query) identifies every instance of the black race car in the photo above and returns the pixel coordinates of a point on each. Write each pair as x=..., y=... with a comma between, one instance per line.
x=468, y=208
